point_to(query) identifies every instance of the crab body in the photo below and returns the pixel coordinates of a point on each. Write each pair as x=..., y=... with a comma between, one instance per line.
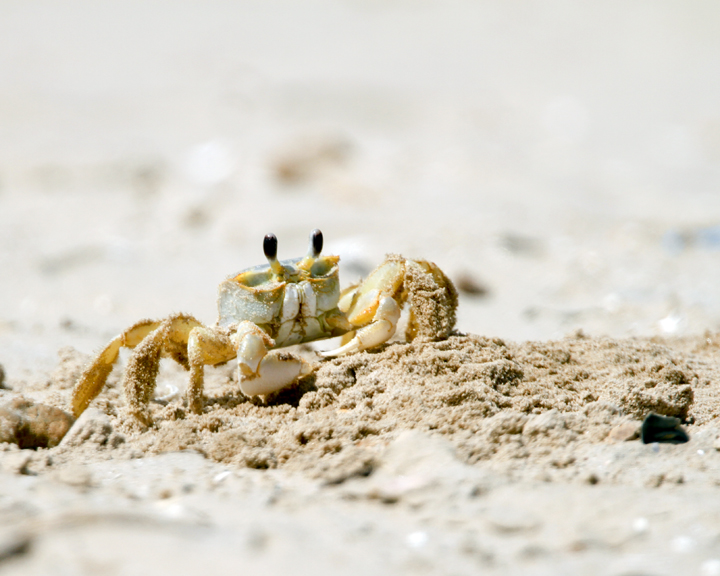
x=292, y=309
x=273, y=306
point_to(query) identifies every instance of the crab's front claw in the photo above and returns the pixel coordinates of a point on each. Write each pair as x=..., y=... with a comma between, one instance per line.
x=380, y=330
x=261, y=372
x=275, y=372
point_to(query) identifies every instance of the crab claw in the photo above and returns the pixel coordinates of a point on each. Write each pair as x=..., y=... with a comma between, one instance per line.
x=260, y=371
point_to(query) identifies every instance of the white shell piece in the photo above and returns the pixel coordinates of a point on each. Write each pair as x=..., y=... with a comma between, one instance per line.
x=291, y=303
x=309, y=302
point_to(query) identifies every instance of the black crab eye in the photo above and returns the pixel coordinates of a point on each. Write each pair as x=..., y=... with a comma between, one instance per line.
x=316, y=239
x=270, y=245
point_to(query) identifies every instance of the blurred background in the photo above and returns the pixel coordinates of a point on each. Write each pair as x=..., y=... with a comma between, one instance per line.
x=560, y=160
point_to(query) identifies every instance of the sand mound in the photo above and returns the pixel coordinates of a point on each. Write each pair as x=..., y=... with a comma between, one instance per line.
x=490, y=399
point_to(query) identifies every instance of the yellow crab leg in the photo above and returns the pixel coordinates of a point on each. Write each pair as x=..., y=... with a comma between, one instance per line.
x=170, y=338
x=206, y=346
x=93, y=378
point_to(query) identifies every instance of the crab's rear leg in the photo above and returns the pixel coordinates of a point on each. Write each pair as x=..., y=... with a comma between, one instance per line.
x=375, y=304
x=181, y=337
x=433, y=301
x=93, y=378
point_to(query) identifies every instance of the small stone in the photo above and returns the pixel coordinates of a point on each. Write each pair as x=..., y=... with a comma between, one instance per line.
x=16, y=462
x=9, y=423
x=33, y=425
x=625, y=432
x=656, y=428
x=396, y=487
x=75, y=475
x=654, y=480
x=674, y=478
x=470, y=285
x=2, y=376
x=512, y=521
x=220, y=476
x=14, y=544
x=591, y=478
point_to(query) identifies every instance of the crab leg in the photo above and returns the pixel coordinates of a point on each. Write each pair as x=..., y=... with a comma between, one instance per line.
x=181, y=337
x=205, y=346
x=93, y=378
x=380, y=330
x=261, y=371
x=170, y=337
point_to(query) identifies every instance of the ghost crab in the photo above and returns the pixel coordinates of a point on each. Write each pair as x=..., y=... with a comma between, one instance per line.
x=272, y=306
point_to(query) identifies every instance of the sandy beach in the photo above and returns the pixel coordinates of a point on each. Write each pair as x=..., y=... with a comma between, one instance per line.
x=560, y=162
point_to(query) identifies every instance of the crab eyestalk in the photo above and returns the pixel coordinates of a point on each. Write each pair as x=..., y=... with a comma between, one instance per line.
x=270, y=244
x=314, y=250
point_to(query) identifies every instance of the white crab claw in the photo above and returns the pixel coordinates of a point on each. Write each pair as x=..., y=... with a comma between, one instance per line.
x=274, y=373
x=251, y=351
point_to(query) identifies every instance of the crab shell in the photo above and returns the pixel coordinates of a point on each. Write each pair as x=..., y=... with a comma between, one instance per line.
x=291, y=307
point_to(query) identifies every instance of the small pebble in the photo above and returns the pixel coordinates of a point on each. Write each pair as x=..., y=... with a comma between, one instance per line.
x=511, y=521
x=625, y=432
x=656, y=428
x=75, y=475
x=468, y=284
x=16, y=462
x=220, y=476
x=590, y=478
x=654, y=480
x=33, y=425
x=14, y=544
